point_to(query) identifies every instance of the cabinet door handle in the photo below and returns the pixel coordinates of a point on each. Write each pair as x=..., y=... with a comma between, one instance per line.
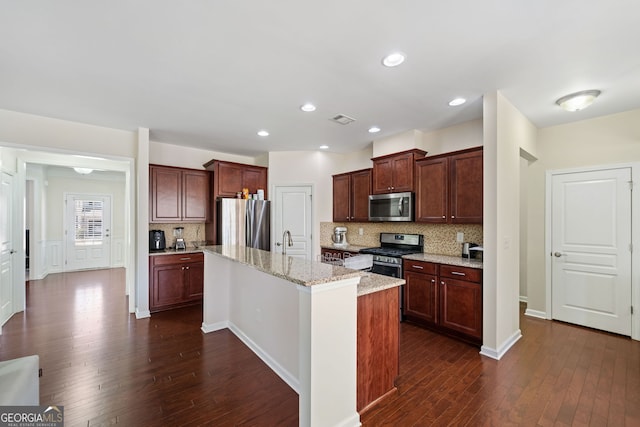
x=182, y=268
x=433, y=280
x=186, y=268
x=443, y=216
x=442, y=282
x=457, y=273
x=453, y=216
x=185, y=259
x=418, y=266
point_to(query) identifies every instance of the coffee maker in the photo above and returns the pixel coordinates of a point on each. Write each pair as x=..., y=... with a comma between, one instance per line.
x=156, y=240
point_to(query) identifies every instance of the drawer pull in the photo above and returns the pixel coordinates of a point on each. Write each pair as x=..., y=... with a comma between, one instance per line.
x=185, y=259
x=457, y=273
x=418, y=267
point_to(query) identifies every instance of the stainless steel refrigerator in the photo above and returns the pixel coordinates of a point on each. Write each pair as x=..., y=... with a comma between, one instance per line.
x=244, y=223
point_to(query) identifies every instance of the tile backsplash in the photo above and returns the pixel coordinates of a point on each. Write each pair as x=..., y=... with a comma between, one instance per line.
x=438, y=238
x=191, y=232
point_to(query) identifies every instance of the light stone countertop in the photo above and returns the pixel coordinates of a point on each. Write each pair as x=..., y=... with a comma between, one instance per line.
x=303, y=272
x=371, y=282
x=296, y=270
x=189, y=250
x=446, y=259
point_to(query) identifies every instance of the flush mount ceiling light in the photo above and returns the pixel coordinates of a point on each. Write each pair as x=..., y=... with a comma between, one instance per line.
x=457, y=101
x=393, y=59
x=263, y=133
x=374, y=129
x=308, y=107
x=83, y=171
x=324, y=147
x=578, y=101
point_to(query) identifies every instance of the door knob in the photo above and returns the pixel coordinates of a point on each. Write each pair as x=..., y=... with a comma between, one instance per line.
x=278, y=244
x=557, y=254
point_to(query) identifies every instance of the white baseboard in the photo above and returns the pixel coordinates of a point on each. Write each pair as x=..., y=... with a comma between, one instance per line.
x=286, y=376
x=535, y=313
x=502, y=350
x=206, y=328
x=142, y=314
x=524, y=299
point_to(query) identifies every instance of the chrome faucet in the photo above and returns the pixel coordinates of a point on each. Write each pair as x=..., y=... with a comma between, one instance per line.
x=289, y=241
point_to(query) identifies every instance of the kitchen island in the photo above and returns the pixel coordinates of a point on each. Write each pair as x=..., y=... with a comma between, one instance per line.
x=329, y=332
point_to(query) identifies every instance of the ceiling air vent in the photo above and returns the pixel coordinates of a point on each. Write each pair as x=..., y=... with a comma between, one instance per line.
x=342, y=119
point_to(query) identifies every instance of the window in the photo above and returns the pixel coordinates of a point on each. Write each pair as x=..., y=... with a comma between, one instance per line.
x=88, y=216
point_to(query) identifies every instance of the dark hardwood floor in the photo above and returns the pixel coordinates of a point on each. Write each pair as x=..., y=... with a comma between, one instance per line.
x=108, y=368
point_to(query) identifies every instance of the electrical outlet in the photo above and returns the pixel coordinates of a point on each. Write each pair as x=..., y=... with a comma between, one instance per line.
x=360, y=231
x=460, y=237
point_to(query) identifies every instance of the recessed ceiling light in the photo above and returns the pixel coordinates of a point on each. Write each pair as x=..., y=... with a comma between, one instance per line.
x=324, y=147
x=393, y=59
x=374, y=129
x=579, y=100
x=457, y=101
x=263, y=133
x=308, y=107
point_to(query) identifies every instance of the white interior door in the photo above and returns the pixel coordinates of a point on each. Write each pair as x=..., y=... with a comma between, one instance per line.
x=6, y=248
x=292, y=211
x=87, y=232
x=591, y=249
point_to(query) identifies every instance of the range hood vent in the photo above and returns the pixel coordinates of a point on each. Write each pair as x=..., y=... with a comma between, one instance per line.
x=342, y=119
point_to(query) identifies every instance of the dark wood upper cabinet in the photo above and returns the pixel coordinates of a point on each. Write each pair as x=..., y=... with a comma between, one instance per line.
x=465, y=184
x=351, y=196
x=229, y=178
x=178, y=195
x=449, y=188
x=394, y=173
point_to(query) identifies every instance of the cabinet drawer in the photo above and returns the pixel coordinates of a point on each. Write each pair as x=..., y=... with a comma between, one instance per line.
x=461, y=273
x=177, y=258
x=420, y=266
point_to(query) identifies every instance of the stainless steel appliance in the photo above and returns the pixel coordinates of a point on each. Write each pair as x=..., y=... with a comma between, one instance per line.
x=339, y=236
x=387, y=259
x=391, y=207
x=157, y=241
x=180, y=243
x=244, y=222
x=468, y=250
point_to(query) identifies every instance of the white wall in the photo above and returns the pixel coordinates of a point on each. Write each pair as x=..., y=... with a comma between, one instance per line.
x=454, y=138
x=191, y=158
x=37, y=256
x=400, y=142
x=601, y=141
x=38, y=131
x=506, y=131
x=304, y=168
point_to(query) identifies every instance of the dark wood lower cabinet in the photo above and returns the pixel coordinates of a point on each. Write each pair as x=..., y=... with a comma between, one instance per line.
x=175, y=280
x=444, y=298
x=378, y=360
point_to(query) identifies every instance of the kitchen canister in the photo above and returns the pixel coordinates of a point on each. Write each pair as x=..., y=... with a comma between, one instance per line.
x=260, y=194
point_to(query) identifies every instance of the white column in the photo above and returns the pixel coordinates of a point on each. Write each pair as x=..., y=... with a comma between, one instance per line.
x=142, y=225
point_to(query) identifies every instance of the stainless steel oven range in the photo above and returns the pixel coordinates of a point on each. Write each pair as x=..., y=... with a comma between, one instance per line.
x=387, y=259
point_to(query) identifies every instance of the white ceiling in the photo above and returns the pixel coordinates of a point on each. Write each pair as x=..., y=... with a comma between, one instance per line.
x=210, y=74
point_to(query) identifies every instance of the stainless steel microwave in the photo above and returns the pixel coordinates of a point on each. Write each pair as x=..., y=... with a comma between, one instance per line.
x=391, y=207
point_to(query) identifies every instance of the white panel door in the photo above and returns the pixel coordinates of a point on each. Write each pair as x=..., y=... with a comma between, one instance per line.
x=88, y=232
x=292, y=208
x=6, y=248
x=591, y=252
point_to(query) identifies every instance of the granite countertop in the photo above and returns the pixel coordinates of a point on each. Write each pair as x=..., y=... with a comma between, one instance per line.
x=349, y=248
x=301, y=271
x=371, y=282
x=168, y=251
x=445, y=259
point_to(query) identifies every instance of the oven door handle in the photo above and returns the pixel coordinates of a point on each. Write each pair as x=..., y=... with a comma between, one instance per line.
x=387, y=264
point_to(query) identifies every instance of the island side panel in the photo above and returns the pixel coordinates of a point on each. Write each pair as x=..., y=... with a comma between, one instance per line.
x=215, y=303
x=328, y=354
x=264, y=315
x=378, y=346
